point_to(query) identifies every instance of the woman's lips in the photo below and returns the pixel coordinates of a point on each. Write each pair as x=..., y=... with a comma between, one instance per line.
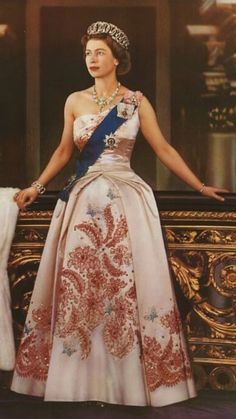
x=93, y=68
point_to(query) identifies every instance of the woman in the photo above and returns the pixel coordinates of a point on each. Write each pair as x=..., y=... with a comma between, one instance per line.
x=103, y=319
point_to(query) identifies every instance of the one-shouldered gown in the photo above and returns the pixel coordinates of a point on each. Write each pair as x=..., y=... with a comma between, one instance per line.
x=103, y=323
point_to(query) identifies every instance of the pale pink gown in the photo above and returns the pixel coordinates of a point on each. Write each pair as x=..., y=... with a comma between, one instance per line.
x=102, y=323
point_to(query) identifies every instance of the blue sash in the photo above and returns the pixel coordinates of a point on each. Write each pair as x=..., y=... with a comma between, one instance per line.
x=93, y=148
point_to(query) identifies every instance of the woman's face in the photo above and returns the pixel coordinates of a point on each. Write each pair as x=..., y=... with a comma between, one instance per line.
x=99, y=58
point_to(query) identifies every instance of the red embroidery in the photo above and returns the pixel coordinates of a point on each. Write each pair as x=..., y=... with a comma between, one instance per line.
x=110, y=268
x=85, y=343
x=120, y=255
x=92, y=231
x=109, y=219
x=93, y=310
x=172, y=321
x=118, y=341
x=34, y=352
x=68, y=327
x=132, y=293
x=41, y=317
x=84, y=259
x=98, y=280
x=164, y=366
x=33, y=358
x=114, y=287
x=74, y=278
x=120, y=232
x=96, y=289
x=92, y=295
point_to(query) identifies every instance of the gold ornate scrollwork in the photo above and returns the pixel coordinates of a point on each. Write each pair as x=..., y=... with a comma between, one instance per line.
x=29, y=235
x=36, y=215
x=209, y=280
x=213, y=349
x=222, y=273
x=211, y=236
x=188, y=273
x=198, y=215
x=180, y=236
x=219, y=326
x=206, y=236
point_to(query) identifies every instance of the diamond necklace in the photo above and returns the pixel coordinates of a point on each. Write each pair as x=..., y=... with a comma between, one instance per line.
x=102, y=102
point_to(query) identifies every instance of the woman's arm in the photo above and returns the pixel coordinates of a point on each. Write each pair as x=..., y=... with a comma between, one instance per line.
x=63, y=152
x=167, y=154
x=59, y=159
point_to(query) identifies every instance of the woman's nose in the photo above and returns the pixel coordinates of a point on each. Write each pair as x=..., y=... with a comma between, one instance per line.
x=93, y=58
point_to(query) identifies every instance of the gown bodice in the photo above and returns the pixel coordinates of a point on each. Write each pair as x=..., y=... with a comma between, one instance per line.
x=124, y=138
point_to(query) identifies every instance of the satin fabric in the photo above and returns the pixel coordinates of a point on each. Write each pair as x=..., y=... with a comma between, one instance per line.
x=103, y=314
x=96, y=144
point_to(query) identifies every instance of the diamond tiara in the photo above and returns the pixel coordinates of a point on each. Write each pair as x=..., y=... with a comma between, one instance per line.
x=108, y=28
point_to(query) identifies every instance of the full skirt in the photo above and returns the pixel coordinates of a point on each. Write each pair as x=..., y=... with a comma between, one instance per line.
x=103, y=322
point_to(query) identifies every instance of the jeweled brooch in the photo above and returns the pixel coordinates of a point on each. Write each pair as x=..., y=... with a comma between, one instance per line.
x=111, y=141
x=125, y=110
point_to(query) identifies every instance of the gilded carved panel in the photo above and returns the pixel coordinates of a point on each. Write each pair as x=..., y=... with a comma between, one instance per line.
x=203, y=261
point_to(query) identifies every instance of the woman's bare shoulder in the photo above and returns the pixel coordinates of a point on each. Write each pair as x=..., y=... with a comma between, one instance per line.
x=76, y=100
x=145, y=106
x=80, y=94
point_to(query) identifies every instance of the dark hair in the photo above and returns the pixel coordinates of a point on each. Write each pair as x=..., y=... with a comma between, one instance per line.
x=121, y=54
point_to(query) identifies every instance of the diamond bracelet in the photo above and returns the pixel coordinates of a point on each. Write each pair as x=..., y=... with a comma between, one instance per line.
x=40, y=188
x=202, y=188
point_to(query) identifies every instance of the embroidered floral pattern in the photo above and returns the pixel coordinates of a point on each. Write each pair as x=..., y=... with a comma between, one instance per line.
x=95, y=289
x=172, y=321
x=120, y=255
x=34, y=352
x=164, y=366
x=84, y=259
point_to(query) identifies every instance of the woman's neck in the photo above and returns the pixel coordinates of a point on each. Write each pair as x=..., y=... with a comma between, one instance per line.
x=105, y=86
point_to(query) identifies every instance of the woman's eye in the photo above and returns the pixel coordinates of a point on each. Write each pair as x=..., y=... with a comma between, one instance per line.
x=100, y=52
x=87, y=53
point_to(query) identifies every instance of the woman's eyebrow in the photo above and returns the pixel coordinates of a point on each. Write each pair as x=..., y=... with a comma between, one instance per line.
x=97, y=49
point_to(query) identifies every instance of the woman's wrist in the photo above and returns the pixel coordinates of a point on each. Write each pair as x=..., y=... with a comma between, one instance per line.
x=202, y=188
x=39, y=187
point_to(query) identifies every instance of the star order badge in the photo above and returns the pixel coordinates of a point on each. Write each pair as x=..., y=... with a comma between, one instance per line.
x=111, y=141
x=125, y=110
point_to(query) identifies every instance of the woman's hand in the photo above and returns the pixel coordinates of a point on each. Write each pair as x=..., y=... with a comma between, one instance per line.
x=25, y=197
x=213, y=192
